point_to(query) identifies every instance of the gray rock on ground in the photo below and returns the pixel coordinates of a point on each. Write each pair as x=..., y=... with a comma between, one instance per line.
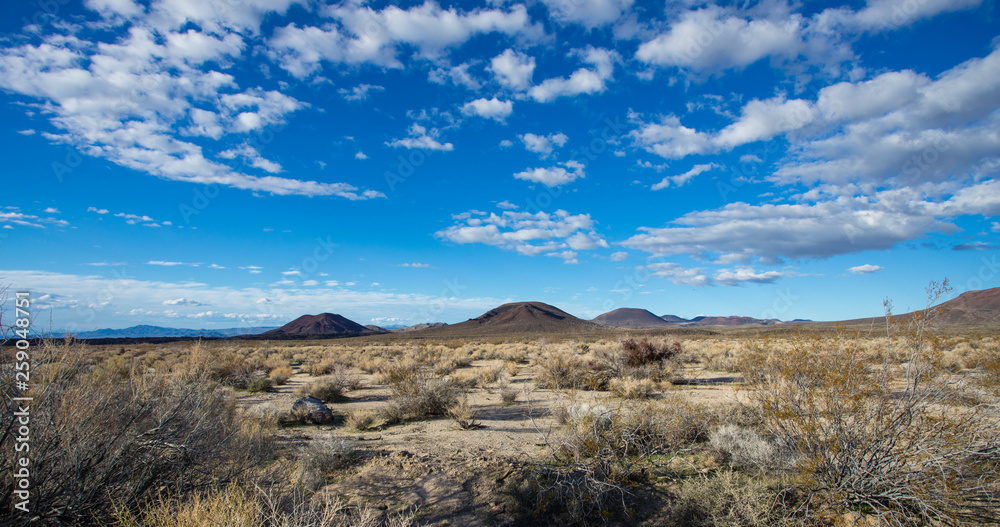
x=313, y=409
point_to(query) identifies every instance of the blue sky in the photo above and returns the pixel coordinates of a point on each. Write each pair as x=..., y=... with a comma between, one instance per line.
x=218, y=163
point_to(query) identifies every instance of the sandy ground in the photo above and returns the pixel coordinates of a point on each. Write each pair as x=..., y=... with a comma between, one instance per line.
x=448, y=475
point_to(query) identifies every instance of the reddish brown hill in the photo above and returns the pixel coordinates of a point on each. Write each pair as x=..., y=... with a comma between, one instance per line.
x=972, y=308
x=316, y=326
x=517, y=318
x=628, y=317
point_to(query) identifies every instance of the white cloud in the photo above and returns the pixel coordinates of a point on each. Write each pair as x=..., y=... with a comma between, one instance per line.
x=569, y=257
x=182, y=302
x=366, y=35
x=75, y=305
x=421, y=138
x=588, y=13
x=506, y=205
x=360, y=155
x=526, y=233
x=898, y=128
x=489, y=108
x=163, y=263
x=13, y=216
x=26, y=132
x=714, y=38
x=682, y=179
x=216, y=266
x=359, y=92
x=678, y=274
x=457, y=75
x=554, y=176
x=415, y=264
x=865, y=269
x=747, y=275
x=543, y=144
x=619, y=256
x=506, y=143
x=251, y=157
x=582, y=81
x=134, y=99
x=772, y=233
x=513, y=69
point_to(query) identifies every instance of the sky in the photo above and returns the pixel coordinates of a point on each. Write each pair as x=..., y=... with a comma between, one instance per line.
x=228, y=163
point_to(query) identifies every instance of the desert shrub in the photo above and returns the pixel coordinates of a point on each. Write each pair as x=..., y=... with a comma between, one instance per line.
x=642, y=352
x=629, y=388
x=360, y=420
x=723, y=499
x=260, y=384
x=508, y=395
x=872, y=442
x=488, y=376
x=744, y=448
x=417, y=394
x=249, y=505
x=328, y=389
x=558, y=495
x=222, y=366
x=123, y=439
x=319, y=368
x=280, y=375
x=512, y=368
x=464, y=415
x=561, y=372
x=320, y=457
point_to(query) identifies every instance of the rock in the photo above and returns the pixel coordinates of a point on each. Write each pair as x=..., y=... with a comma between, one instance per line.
x=313, y=410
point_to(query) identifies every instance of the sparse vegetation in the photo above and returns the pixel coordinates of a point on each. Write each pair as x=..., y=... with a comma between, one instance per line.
x=832, y=427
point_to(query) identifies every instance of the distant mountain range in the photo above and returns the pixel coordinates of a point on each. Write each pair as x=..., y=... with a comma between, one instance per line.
x=145, y=332
x=973, y=308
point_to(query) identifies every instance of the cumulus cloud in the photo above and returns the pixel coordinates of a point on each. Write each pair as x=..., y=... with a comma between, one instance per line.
x=13, y=216
x=619, y=256
x=553, y=176
x=421, y=138
x=773, y=233
x=513, y=69
x=361, y=34
x=588, y=13
x=714, y=38
x=489, y=108
x=137, y=99
x=582, y=81
x=542, y=144
x=251, y=157
x=896, y=128
x=359, y=92
x=530, y=234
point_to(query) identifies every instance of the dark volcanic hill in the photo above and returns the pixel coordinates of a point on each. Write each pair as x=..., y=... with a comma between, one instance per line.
x=674, y=319
x=318, y=326
x=628, y=317
x=417, y=327
x=517, y=318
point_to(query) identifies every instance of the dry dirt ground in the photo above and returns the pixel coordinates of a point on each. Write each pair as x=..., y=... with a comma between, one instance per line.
x=447, y=475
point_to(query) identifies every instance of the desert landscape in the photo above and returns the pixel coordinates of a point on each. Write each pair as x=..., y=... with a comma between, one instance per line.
x=526, y=416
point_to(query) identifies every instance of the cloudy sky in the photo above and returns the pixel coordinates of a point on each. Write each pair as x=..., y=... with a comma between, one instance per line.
x=218, y=163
